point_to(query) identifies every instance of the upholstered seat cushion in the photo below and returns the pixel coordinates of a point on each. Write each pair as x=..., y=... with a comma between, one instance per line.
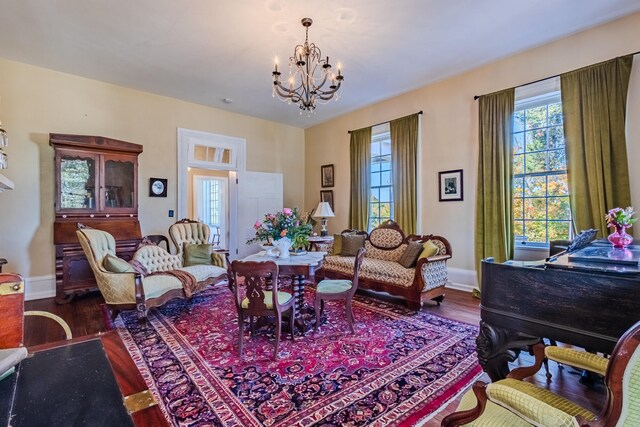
x=493, y=415
x=333, y=286
x=204, y=272
x=283, y=298
x=536, y=405
x=578, y=359
x=373, y=269
x=157, y=285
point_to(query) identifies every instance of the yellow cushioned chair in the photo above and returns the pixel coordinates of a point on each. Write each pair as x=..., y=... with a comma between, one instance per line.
x=255, y=287
x=339, y=289
x=131, y=290
x=512, y=402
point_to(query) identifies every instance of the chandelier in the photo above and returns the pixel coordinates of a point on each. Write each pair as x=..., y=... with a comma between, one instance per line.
x=309, y=76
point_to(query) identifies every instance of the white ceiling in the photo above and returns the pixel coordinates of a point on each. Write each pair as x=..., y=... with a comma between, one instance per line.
x=206, y=50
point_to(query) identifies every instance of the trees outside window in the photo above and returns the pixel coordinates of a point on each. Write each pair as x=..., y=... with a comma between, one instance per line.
x=540, y=186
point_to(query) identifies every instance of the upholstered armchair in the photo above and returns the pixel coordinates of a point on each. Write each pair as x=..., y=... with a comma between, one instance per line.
x=513, y=402
x=129, y=289
x=191, y=239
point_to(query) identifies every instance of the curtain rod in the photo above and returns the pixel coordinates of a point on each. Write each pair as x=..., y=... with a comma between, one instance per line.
x=475, y=98
x=419, y=112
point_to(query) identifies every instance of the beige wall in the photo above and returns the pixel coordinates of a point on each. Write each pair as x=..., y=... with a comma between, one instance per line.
x=37, y=101
x=450, y=126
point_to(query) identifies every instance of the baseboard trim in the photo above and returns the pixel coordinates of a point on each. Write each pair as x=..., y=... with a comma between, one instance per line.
x=462, y=279
x=39, y=287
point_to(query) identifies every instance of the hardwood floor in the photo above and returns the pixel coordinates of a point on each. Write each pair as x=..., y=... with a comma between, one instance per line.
x=85, y=317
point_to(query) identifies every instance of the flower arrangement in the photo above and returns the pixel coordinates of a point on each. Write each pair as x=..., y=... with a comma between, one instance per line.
x=288, y=223
x=620, y=218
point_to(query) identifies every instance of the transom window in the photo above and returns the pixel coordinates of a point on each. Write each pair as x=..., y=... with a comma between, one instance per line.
x=381, y=200
x=540, y=187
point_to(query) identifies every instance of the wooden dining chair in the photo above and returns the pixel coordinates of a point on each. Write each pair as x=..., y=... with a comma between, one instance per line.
x=339, y=290
x=250, y=282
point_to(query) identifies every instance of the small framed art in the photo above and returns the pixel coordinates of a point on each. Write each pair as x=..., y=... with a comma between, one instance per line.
x=450, y=185
x=327, y=196
x=157, y=187
x=326, y=175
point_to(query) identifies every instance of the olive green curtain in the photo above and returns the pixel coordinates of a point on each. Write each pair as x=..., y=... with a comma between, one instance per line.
x=594, y=103
x=404, y=154
x=360, y=151
x=494, y=201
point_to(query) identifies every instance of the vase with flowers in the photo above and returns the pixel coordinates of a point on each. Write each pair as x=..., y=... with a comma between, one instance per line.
x=620, y=219
x=290, y=225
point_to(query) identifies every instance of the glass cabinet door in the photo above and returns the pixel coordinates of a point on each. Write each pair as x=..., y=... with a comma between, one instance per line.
x=119, y=182
x=77, y=188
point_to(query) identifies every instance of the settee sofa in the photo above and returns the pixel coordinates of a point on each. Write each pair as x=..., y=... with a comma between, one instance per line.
x=382, y=271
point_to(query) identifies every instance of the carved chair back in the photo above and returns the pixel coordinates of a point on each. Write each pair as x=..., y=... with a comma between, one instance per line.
x=387, y=235
x=356, y=271
x=250, y=280
x=623, y=380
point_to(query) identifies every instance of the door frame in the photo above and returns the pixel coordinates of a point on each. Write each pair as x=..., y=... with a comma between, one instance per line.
x=186, y=137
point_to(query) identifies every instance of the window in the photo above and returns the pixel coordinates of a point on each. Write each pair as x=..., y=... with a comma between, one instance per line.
x=381, y=200
x=540, y=187
x=210, y=195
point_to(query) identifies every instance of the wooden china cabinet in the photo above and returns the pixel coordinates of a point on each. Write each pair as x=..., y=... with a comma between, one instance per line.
x=97, y=185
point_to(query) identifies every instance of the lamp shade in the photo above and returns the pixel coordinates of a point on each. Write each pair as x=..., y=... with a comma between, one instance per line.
x=323, y=210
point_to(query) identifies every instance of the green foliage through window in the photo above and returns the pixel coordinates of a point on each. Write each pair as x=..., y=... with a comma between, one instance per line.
x=540, y=187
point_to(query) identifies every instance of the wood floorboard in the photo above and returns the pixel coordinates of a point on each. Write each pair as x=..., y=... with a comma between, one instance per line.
x=84, y=316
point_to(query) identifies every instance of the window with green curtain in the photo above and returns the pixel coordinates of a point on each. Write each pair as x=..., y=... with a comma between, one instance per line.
x=540, y=185
x=494, y=202
x=360, y=160
x=404, y=155
x=594, y=102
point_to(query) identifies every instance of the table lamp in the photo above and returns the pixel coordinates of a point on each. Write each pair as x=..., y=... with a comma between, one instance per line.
x=323, y=211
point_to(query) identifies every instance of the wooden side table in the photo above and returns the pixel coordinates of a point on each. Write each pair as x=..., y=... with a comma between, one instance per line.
x=318, y=243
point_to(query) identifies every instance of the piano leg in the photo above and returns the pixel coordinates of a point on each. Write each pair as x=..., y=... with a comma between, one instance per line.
x=498, y=346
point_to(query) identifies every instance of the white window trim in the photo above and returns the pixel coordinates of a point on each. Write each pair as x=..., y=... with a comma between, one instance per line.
x=530, y=96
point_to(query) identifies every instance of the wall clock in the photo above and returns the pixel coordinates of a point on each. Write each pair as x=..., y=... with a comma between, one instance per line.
x=157, y=187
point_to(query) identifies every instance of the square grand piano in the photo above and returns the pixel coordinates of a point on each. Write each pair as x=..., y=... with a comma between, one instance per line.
x=587, y=298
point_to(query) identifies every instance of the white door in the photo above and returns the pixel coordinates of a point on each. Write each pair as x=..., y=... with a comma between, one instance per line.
x=210, y=205
x=259, y=193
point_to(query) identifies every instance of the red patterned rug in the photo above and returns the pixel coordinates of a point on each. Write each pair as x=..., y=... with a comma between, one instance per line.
x=399, y=368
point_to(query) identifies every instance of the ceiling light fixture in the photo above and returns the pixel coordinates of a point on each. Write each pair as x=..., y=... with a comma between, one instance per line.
x=309, y=75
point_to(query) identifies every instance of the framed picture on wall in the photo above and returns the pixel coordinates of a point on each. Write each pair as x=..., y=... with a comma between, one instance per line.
x=327, y=196
x=450, y=185
x=326, y=175
x=157, y=187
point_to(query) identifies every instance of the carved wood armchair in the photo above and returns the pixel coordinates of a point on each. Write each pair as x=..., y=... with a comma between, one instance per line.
x=519, y=403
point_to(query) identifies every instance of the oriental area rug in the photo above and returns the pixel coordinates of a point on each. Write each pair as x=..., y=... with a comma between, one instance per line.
x=398, y=369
